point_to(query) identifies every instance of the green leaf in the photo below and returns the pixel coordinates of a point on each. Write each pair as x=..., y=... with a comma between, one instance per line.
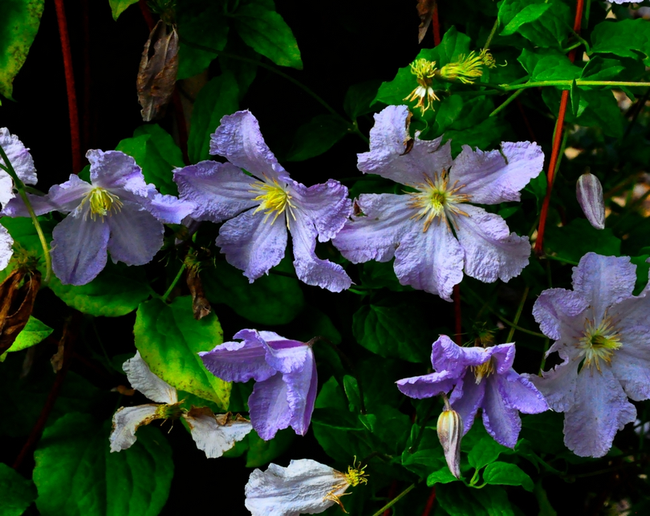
x=76, y=474
x=116, y=291
x=208, y=28
x=316, y=137
x=642, y=267
x=544, y=23
x=442, y=476
x=262, y=452
x=267, y=33
x=528, y=14
x=19, y=22
x=33, y=333
x=24, y=234
x=428, y=457
x=359, y=97
x=169, y=339
x=217, y=98
x=381, y=275
x=625, y=38
x=458, y=500
x=485, y=451
x=548, y=65
x=271, y=299
x=119, y=6
x=576, y=239
x=600, y=69
x=504, y=473
x=16, y=492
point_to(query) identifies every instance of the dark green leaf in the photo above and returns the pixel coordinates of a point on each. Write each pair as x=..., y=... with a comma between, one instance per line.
x=208, y=28
x=642, y=267
x=381, y=275
x=359, y=97
x=427, y=457
x=528, y=14
x=504, y=473
x=317, y=136
x=548, y=65
x=243, y=70
x=458, y=500
x=573, y=241
x=24, y=234
x=16, y=492
x=119, y=6
x=442, y=476
x=625, y=38
x=262, y=452
x=545, y=24
x=485, y=451
x=600, y=69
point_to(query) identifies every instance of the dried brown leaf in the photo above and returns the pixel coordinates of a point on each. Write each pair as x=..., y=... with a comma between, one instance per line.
x=17, y=295
x=425, y=11
x=200, y=304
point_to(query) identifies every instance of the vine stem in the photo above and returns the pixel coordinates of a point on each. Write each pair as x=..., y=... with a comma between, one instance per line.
x=518, y=314
x=435, y=22
x=395, y=500
x=77, y=158
x=178, y=277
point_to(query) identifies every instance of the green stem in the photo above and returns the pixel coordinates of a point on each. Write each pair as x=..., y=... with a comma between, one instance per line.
x=518, y=314
x=562, y=260
x=39, y=231
x=176, y=280
x=492, y=33
x=395, y=500
x=579, y=82
x=507, y=102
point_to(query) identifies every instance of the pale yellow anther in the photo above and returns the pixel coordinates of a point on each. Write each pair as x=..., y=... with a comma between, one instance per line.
x=599, y=342
x=101, y=203
x=424, y=72
x=483, y=370
x=274, y=199
x=356, y=475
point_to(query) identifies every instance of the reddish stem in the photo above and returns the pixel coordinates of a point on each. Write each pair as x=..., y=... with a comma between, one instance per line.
x=87, y=79
x=77, y=157
x=146, y=13
x=557, y=141
x=435, y=21
x=458, y=316
x=430, y=501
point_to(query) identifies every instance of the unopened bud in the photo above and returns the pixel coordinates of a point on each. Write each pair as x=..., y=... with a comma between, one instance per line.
x=589, y=192
x=450, y=433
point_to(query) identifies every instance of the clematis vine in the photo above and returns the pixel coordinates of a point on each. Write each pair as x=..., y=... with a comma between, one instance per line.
x=261, y=208
x=213, y=433
x=117, y=212
x=285, y=372
x=602, y=335
x=303, y=487
x=480, y=378
x=433, y=231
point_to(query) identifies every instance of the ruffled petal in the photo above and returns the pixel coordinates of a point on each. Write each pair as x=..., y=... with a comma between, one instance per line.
x=500, y=419
x=269, y=407
x=601, y=409
x=6, y=247
x=301, y=394
x=558, y=386
x=136, y=235
x=240, y=141
x=252, y=245
x=631, y=363
x=20, y=158
x=79, y=249
x=142, y=379
x=219, y=190
x=446, y=355
x=284, y=355
x=491, y=179
x=520, y=393
x=376, y=234
x=390, y=157
x=115, y=170
x=555, y=307
x=503, y=356
x=125, y=423
x=428, y=385
x=67, y=196
x=168, y=209
x=491, y=251
x=215, y=434
x=431, y=260
x=467, y=398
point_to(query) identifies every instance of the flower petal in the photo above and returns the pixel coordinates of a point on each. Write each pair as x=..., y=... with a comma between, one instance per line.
x=554, y=307
x=6, y=247
x=215, y=434
x=631, y=363
x=269, y=407
x=491, y=251
x=125, y=423
x=446, y=355
x=219, y=190
x=136, y=235
x=491, y=179
x=252, y=245
x=503, y=356
x=41, y=205
x=142, y=379
x=428, y=385
x=520, y=393
x=6, y=187
x=19, y=156
x=116, y=170
x=167, y=208
x=558, y=386
x=467, y=398
x=79, y=249
x=500, y=420
x=301, y=394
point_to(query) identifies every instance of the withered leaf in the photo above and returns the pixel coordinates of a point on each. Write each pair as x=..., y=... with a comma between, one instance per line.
x=157, y=73
x=16, y=303
x=200, y=304
x=425, y=11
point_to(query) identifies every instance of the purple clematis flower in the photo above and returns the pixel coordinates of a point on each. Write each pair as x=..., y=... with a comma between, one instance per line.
x=117, y=212
x=602, y=334
x=433, y=231
x=259, y=208
x=480, y=378
x=285, y=372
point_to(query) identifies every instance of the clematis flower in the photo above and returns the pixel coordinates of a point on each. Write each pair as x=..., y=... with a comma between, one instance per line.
x=285, y=372
x=213, y=433
x=480, y=378
x=433, y=231
x=117, y=212
x=602, y=335
x=303, y=487
x=263, y=206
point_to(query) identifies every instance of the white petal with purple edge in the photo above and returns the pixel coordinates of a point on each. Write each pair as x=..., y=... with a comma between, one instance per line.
x=554, y=307
x=6, y=249
x=269, y=407
x=136, y=235
x=20, y=158
x=489, y=178
x=467, y=398
x=491, y=251
x=142, y=379
x=116, y=170
x=215, y=434
x=500, y=420
x=125, y=423
x=252, y=245
x=287, y=356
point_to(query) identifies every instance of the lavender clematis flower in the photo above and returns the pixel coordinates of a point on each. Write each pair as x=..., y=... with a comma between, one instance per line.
x=117, y=212
x=285, y=372
x=433, y=232
x=602, y=334
x=261, y=207
x=480, y=378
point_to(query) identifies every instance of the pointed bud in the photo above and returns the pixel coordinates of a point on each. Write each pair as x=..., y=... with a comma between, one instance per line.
x=589, y=192
x=450, y=433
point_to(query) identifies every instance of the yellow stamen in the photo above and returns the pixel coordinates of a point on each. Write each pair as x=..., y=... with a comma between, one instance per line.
x=599, y=342
x=466, y=70
x=274, y=198
x=483, y=370
x=424, y=72
x=356, y=475
x=101, y=203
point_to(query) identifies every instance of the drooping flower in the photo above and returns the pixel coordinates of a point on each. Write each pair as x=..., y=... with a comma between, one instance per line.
x=213, y=433
x=424, y=72
x=602, y=335
x=117, y=212
x=303, y=487
x=589, y=193
x=259, y=209
x=468, y=68
x=480, y=378
x=433, y=231
x=285, y=372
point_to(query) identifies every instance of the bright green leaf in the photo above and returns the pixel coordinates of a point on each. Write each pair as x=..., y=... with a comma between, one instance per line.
x=548, y=65
x=485, y=451
x=442, y=476
x=544, y=23
x=459, y=500
x=16, y=492
x=528, y=14
x=33, y=333
x=600, y=69
x=504, y=473
x=119, y=6
x=316, y=137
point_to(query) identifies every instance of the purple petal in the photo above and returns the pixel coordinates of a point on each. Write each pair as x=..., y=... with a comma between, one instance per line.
x=41, y=205
x=601, y=409
x=501, y=420
x=116, y=170
x=239, y=139
x=430, y=260
x=136, y=235
x=520, y=393
x=301, y=394
x=269, y=407
x=554, y=307
x=491, y=251
x=491, y=179
x=503, y=356
x=388, y=156
x=446, y=355
x=68, y=196
x=558, y=386
x=467, y=399
x=6, y=247
x=219, y=190
x=376, y=234
x=169, y=209
x=428, y=385
x=252, y=245
x=19, y=157
x=631, y=363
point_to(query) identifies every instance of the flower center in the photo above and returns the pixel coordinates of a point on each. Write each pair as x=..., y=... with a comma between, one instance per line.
x=424, y=72
x=101, y=203
x=599, y=342
x=274, y=199
x=169, y=411
x=483, y=370
x=356, y=475
x=434, y=200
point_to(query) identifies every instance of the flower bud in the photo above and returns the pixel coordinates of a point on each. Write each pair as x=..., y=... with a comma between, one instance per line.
x=450, y=433
x=589, y=192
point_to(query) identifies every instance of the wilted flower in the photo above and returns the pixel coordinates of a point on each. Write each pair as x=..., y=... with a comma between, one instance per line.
x=589, y=192
x=285, y=372
x=424, y=72
x=264, y=206
x=303, y=487
x=468, y=68
x=602, y=334
x=213, y=433
x=450, y=430
x=480, y=378
x=416, y=228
